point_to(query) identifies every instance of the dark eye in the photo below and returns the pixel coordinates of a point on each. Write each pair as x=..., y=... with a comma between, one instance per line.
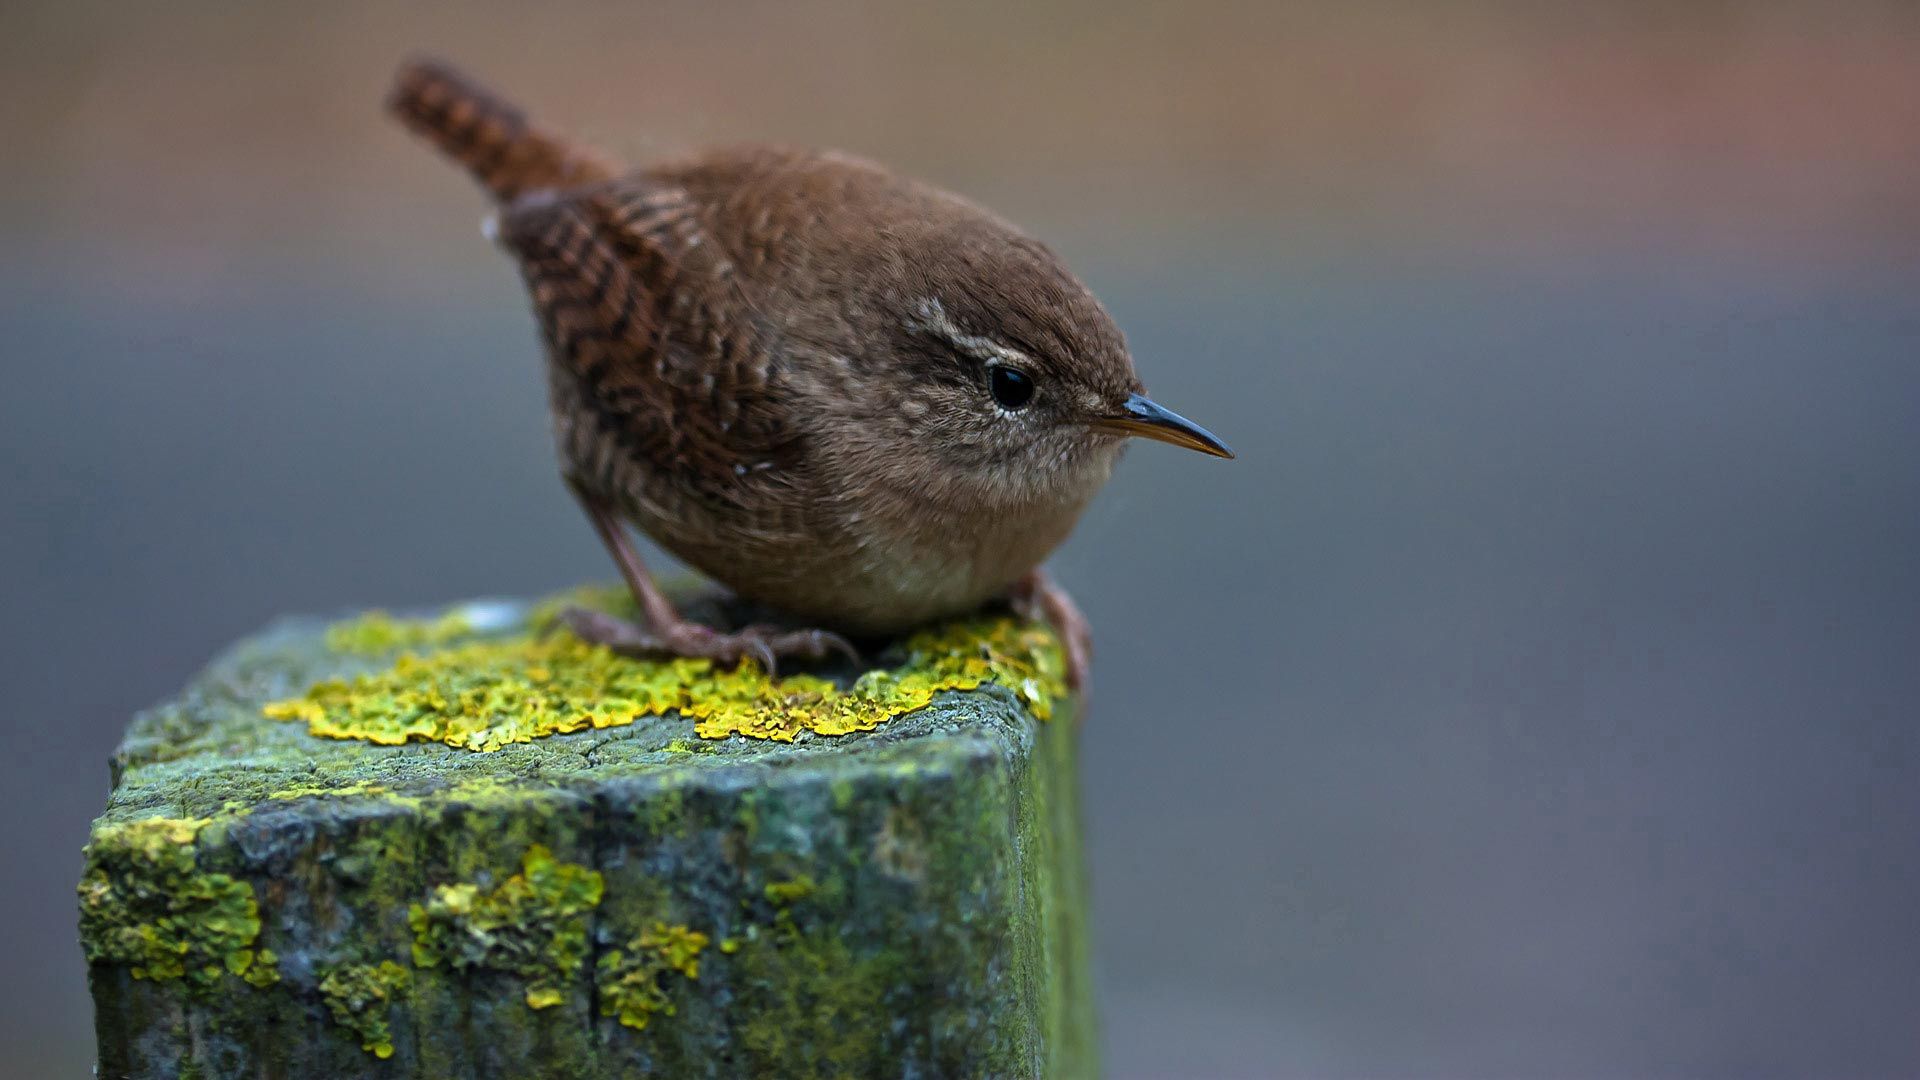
x=1011, y=387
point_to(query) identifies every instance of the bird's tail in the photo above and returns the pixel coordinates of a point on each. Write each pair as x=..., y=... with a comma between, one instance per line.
x=508, y=155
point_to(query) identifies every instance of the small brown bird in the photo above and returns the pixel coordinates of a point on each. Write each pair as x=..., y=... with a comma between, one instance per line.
x=846, y=395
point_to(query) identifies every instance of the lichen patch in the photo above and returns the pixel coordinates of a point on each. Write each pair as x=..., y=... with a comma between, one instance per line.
x=533, y=925
x=145, y=903
x=485, y=694
x=377, y=632
x=359, y=996
x=630, y=979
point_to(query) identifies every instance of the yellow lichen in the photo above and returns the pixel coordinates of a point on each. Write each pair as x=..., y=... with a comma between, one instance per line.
x=360, y=996
x=145, y=904
x=629, y=979
x=533, y=925
x=330, y=791
x=377, y=632
x=482, y=695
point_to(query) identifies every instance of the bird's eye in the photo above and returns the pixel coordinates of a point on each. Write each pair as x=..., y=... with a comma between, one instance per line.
x=1011, y=387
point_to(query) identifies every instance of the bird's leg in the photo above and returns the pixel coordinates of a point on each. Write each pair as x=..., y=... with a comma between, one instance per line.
x=1037, y=596
x=665, y=632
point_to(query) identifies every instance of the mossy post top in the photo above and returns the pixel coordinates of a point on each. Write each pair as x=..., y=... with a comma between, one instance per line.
x=393, y=830
x=278, y=718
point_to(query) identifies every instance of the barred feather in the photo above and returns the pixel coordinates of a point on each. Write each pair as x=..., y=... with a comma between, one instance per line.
x=493, y=140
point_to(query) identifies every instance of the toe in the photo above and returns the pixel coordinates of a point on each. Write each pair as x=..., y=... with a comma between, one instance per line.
x=813, y=645
x=826, y=642
x=600, y=628
x=762, y=652
x=764, y=643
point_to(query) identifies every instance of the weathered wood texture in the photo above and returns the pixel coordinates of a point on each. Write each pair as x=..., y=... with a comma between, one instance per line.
x=633, y=901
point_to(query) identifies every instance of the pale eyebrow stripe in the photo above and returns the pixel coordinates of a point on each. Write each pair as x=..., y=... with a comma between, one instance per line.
x=931, y=315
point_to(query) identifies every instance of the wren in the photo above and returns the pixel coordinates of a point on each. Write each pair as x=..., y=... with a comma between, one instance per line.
x=852, y=397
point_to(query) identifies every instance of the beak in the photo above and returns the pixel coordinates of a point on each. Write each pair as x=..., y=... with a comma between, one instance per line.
x=1142, y=417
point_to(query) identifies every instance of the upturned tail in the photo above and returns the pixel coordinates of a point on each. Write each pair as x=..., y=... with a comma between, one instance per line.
x=494, y=141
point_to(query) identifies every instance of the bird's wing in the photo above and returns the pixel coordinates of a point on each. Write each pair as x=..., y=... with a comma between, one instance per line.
x=642, y=307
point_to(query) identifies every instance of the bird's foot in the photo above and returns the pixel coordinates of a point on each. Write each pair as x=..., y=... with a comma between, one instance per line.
x=1038, y=597
x=764, y=643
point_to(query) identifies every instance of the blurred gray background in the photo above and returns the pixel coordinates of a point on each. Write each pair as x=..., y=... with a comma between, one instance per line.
x=1536, y=694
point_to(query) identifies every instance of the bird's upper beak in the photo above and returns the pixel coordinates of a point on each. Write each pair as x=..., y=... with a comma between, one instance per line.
x=1140, y=416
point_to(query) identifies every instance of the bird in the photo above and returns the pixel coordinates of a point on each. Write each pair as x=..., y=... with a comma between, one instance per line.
x=843, y=394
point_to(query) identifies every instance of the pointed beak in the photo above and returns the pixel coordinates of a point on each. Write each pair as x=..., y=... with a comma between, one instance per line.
x=1143, y=418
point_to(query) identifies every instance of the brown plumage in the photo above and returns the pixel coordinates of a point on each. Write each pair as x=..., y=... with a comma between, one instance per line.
x=844, y=394
x=487, y=136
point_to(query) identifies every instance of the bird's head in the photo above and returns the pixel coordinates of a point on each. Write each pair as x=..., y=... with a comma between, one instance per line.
x=984, y=366
x=1022, y=376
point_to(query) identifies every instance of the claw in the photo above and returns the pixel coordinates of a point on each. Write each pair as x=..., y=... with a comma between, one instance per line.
x=763, y=642
x=828, y=641
x=762, y=652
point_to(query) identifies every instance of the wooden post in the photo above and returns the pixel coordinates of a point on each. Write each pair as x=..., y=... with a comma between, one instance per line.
x=550, y=872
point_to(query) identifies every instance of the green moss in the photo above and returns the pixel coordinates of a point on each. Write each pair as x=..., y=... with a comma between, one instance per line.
x=377, y=632
x=144, y=903
x=791, y=891
x=360, y=996
x=533, y=925
x=629, y=979
x=484, y=695
x=810, y=996
x=1055, y=958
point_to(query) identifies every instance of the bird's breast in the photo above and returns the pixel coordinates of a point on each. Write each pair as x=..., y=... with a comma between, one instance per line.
x=903, y=565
